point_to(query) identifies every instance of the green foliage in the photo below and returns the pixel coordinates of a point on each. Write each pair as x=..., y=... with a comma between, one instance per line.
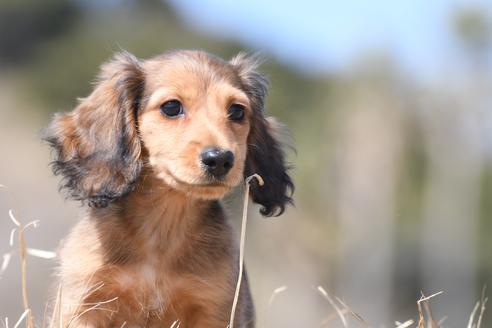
x=473, y=27
x=26, y=24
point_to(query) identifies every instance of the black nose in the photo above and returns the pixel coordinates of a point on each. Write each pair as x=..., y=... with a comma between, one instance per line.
x=217, y=162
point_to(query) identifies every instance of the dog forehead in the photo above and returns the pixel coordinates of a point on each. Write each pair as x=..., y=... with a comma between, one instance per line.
x=189, y=69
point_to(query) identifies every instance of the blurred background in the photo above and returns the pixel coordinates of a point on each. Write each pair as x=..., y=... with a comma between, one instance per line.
x=389, y=105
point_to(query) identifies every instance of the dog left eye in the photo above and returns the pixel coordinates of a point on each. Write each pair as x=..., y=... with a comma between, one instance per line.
x=236, y=112
x=172, y=108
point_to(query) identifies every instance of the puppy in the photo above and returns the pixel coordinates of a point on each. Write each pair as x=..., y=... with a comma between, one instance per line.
x=151, y=151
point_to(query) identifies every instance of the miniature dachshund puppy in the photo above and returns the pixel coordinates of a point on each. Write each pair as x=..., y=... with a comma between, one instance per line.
x=150, y=152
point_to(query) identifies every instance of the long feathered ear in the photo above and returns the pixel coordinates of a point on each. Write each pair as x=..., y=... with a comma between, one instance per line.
x=96, y=146
x=265, y=151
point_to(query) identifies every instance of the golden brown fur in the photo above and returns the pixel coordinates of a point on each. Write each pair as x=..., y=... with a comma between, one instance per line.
x=155, y=245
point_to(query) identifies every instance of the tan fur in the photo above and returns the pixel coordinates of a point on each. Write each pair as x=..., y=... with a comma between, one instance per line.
x=149, y=266
x=155, y=245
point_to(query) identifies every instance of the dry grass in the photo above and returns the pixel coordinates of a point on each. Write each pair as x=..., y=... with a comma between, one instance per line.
x=342, y=311
x=23, y=251
x=241, y=244
x=56, y=315
x=426, y=320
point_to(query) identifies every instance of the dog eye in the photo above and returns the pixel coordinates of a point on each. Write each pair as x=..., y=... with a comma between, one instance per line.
x=172, y=108
x=236, y=112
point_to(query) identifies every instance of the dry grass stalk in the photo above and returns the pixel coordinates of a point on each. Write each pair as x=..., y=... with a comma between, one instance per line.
x=423, y=306
x=22, y=253
x=333, y=316
x=96, y=306
x=353, y=314
x=22, y=317
x=484, y=301
x=405, y=324
x=471, y=320
x=87, y=292
x=441, y=321
x=175, y=324
x=341, y=314
x=56, y=315
x=25, y=297
x=93, y=306
x=480, y=305
x=241, y=244
x=275, y=292
x=45, y=315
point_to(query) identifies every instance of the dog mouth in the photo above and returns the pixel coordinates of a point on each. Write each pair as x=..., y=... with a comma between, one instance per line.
x=209, y=183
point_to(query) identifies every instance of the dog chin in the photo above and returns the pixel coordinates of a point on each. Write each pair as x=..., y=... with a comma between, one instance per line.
x=205, y=190
x=209, y=192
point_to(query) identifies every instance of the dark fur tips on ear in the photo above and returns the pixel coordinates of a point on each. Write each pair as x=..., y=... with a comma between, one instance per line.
x=265, y=154
x=266, y=157
x=96, y=146
x=255, y=83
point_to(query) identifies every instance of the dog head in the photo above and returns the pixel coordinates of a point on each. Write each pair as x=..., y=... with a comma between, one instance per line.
x=195, y=120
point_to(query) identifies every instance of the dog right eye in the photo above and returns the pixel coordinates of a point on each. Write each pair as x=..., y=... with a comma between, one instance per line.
x=172, y=108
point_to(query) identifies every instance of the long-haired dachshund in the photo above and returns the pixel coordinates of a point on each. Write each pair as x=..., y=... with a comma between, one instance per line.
x=151, y=151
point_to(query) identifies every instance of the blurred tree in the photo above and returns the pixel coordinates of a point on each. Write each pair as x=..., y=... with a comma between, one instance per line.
x=368, y=173
x=454, y=132
x=71, y=59
x=25, y=24
x=473, y=29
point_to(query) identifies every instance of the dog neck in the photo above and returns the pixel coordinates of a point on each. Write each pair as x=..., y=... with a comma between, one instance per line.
x=158, y=216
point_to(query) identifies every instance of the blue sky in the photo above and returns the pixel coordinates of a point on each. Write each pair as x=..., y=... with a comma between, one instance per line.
x=329, y=35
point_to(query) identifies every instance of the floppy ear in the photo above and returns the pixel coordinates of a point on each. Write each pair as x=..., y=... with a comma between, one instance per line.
x=265, y=155
x=96, y=146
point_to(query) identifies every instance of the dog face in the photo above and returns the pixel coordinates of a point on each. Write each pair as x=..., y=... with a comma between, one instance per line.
x=197, y=121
